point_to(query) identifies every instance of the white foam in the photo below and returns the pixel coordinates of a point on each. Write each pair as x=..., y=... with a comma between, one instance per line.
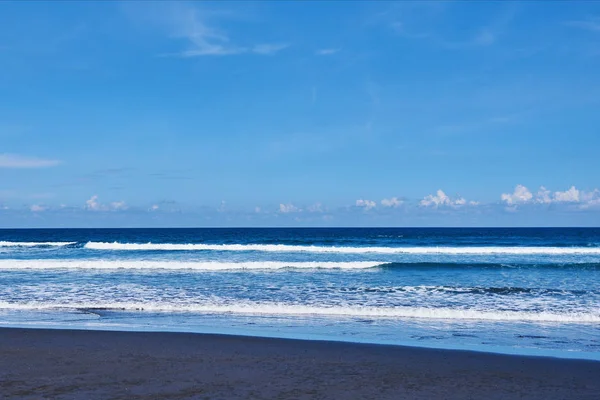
x=178, y=265
x=344, y=250
x=34, y=244
x=334, y=311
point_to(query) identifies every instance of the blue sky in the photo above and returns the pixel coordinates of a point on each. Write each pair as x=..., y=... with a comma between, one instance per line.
x=299, y=113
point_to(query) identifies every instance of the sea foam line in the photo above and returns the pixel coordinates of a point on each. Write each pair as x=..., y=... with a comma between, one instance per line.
x=178, y=265
x=34, y=244
x=309, y=310
x=343, y=250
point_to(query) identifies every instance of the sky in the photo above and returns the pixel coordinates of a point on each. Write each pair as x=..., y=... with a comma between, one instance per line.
x=308, y=113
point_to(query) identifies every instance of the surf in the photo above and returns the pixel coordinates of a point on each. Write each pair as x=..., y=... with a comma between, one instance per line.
x=147, y=265
x=278, y=248
x=282, y=309
x=35, y=244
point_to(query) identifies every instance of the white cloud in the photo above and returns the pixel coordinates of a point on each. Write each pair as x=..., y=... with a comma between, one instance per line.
x=118, y=205
x=288, y=208
x=568, y=196
x=262, y=49
x=327, y=52
x=94, y=205
x=154, y=207
x=17, y=161
x=393, y=202
x=441, y=199
x=203, y=39
x=192, y=24
x=520, y=195
x=37, y=208
x=366, y=204
x=590, y=199
x=543, y=196
x=315, y=208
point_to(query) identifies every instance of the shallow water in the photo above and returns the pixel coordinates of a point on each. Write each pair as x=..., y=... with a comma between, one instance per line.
x=524, y=291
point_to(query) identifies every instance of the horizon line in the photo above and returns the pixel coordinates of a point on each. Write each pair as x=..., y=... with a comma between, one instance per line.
x=313, y=227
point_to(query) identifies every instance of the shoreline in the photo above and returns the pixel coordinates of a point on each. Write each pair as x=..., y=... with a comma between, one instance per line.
x=235, y=332
x=62, y=363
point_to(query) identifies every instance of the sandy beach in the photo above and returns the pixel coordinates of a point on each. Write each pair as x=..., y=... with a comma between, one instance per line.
x=69, y=364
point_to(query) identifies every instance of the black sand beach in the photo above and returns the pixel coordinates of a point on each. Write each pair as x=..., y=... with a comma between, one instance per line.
x=65, y=364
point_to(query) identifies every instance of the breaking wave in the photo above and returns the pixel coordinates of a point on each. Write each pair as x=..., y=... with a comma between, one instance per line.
x=343, y=250
x=150, y=265
x=178, y=265
x=35, y=244
x=282, y=309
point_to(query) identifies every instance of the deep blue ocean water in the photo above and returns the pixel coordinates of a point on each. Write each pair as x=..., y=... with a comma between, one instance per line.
x=524, y=291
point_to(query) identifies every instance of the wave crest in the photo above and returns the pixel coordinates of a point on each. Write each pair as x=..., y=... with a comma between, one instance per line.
x=35, y=244
x=178, y=265
x=333, y=311
x=344, y=250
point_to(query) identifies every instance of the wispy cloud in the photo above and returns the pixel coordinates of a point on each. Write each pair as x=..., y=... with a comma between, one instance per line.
x=37, y=208
x=261, y=49
x=430, y=24
x=327, y=52
x=590, y=24
x=18, y=161
x=267, y=49
x=199, y=29
x=316, y=208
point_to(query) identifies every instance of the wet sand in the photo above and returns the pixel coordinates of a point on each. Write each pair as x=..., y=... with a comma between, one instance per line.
x=68, y=364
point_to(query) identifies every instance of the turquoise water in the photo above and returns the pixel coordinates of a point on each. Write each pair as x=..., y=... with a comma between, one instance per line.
x=524, y=291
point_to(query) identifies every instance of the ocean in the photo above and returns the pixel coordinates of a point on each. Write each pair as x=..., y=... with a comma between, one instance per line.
x=519, y=291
